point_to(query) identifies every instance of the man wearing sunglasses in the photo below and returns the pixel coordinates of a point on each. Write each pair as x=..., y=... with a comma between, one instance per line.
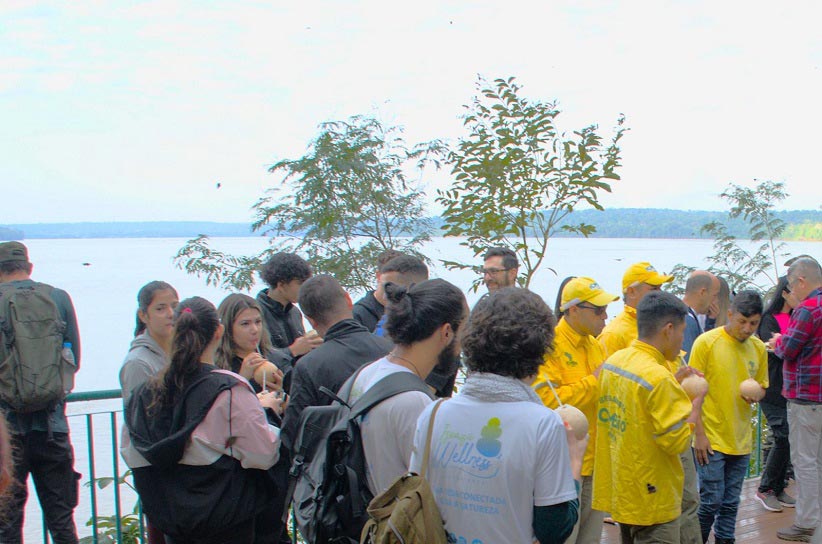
x=570, y=373
x=639, y=280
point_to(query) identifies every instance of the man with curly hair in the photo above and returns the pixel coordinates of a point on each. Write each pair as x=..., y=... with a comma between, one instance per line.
x=284, y=273
x=502, y=466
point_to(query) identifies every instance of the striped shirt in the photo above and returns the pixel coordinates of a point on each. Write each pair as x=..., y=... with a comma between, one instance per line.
x=801, y=350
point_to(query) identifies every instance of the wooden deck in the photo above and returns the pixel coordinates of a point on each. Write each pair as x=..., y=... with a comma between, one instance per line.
x=754, y=524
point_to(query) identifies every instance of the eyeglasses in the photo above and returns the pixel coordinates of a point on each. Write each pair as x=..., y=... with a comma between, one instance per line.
x=491, y=271
x=598, y=310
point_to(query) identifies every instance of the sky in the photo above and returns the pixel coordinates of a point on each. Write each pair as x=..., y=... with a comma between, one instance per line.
x=134, y=111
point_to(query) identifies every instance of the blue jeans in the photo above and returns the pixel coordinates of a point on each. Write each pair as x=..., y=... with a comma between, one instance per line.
x=720, y=485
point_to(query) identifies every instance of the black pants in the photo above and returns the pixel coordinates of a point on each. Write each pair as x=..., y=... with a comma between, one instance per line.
x=776, y=466
x=50, y=461
x=242, y=533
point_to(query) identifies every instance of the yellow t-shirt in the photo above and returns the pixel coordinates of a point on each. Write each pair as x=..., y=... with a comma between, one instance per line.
x=727, y=362
x=569, y=368
x=641, y=430
x=619, y=333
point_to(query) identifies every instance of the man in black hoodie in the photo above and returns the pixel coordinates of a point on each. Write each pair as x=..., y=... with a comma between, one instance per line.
x=285, y=273
x=371, y=307
x=347, y=346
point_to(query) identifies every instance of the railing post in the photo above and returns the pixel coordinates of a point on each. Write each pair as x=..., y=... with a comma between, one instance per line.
x=116, y=468
x=90, y=441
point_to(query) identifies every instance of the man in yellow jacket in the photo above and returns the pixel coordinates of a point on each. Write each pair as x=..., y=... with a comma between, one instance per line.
x=569, y=374
x=644, y=421
x=727, y=355
x=639, y=280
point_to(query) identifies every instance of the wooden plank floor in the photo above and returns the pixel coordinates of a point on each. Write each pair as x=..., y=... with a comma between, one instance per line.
x=754, y=524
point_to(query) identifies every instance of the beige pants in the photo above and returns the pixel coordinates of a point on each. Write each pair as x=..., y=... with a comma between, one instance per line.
x=588, y=529
x=689, y=529
x=664, y=533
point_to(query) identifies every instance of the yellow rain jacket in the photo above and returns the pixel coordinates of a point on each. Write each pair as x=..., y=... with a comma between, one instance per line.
x=569, y=368
x=641, y=430
x=619, y=333
x=726, y=363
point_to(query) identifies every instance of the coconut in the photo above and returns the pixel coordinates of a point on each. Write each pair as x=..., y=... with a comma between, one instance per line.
x=750, y=389
x=268, y=369
x=695, y=385
x=575, y=419
x=311, y=334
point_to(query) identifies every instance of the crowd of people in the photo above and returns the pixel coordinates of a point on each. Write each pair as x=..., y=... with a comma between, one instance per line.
x=214, y=398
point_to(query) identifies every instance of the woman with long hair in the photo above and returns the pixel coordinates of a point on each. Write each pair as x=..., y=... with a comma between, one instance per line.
x=149, y=351
x=771, y=493
x=199, y=439
x=246, y=344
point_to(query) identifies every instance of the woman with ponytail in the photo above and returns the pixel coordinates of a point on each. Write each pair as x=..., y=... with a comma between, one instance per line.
x=199, y=441
x=149, y=351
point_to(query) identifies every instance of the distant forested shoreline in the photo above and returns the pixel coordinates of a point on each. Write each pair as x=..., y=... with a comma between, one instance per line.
x=609, y=223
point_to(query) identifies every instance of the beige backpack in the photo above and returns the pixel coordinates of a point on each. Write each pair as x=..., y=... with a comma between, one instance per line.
x=406, y=512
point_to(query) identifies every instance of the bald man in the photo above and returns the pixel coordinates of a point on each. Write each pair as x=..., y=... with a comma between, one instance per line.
x=701, y=290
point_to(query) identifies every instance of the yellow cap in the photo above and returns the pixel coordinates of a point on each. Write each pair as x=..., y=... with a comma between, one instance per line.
x=584, y=289
x=643, y=272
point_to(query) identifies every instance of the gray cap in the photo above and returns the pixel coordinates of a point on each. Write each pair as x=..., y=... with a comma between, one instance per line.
x=13, y=251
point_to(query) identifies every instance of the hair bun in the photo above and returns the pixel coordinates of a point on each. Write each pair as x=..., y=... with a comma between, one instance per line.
x=394, y=292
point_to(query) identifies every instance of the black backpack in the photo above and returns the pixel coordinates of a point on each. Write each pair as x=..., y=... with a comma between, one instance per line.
x=328, y=482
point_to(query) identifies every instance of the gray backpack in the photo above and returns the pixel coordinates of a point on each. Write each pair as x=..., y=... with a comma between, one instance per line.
x=34, y=375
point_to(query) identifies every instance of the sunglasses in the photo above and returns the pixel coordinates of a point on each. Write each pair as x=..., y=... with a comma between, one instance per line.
x=598, y=310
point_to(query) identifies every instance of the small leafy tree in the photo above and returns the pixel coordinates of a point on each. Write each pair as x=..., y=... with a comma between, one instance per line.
x=516, y=177
x=745, y=268
x=346, y=200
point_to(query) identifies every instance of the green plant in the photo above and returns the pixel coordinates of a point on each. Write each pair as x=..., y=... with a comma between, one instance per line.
x=745, y=268
x=516, y=177
x=341, y=204
x=130, y=525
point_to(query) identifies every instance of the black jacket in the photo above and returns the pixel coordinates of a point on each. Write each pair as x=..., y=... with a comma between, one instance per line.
x=368, y=311
x=773, y=394
x=284, y=325
x=346, y=347
x=186, y=501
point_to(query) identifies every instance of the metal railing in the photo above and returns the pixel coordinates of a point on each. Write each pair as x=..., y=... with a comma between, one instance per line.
x=114, y=528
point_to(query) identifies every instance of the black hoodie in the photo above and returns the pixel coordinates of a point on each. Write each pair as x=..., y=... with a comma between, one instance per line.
x=186, y=501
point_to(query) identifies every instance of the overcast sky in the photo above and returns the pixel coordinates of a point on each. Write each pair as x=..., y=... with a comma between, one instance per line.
x=135, y=110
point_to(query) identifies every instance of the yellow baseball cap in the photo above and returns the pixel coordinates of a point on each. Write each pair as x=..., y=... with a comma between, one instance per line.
x=583, y=289
x=643, y=272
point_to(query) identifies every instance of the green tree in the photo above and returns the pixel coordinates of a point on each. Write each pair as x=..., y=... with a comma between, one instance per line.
x=346, y=200
x=745, y=267
x=516, y=177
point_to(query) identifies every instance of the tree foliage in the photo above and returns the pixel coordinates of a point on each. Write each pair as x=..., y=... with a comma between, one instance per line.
x=516, y=177
x=745, y=267
x=341, y=204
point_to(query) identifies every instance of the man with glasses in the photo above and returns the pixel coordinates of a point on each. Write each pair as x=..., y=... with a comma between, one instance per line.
x=569, y=374
x=801, y=351
x=500, y=268
x=639, y=280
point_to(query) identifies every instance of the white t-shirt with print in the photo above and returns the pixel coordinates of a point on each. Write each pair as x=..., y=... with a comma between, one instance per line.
x=388, y=429
x=491, y=463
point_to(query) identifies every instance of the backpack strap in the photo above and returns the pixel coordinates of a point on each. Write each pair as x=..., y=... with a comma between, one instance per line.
x=391, y=385
x=427, y=450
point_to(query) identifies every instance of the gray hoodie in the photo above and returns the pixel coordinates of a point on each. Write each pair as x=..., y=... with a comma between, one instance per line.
x=145, y=359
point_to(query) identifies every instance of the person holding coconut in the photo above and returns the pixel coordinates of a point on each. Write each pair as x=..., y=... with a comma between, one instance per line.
x=735, y=364
x=568, y=376
x=644, y=423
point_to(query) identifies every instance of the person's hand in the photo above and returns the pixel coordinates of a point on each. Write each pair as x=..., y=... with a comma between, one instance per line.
x=250, y=364
x=702, y=448
x=771, y=344
x=684, y=371
x=273, y=400
x=713, y=309
x=304, y=344
x=576, y=447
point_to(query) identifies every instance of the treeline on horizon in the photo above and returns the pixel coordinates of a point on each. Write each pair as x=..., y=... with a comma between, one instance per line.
x=609, y=223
